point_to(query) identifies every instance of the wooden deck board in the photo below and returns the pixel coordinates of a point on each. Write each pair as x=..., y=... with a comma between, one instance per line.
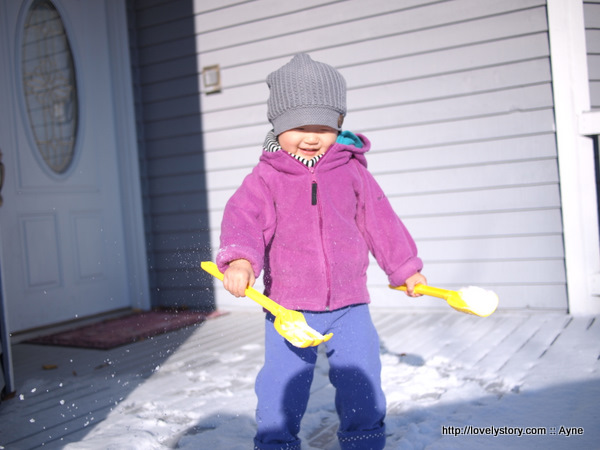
x=420, y=332
x=222, y=357
x=580, y=362
x=507, y=347
x=490, y=341
x=521, y=362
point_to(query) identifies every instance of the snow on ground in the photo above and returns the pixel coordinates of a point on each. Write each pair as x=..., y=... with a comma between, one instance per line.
x=204, y=399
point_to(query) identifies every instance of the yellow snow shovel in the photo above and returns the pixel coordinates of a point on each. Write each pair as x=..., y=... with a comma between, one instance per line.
x=471, y=300
x=290, y=324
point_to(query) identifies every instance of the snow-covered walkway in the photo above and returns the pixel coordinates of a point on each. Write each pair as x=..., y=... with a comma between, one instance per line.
x=512, y=380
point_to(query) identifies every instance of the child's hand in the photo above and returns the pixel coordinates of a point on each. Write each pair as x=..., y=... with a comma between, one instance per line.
x=412, y=281
x=238, y=276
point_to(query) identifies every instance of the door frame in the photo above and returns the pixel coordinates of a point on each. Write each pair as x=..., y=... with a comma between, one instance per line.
x=128, y=157
x=128, y=178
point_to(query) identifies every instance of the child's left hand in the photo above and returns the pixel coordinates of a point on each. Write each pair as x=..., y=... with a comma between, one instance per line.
x=412, y=281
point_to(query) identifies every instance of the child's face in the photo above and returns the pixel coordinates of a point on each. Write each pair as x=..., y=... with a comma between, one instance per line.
x=308, y=141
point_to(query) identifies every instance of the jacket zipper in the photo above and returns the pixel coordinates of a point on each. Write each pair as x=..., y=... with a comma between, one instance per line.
x=319, y=212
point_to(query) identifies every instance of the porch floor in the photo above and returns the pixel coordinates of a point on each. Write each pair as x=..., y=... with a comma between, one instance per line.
x=193, y=388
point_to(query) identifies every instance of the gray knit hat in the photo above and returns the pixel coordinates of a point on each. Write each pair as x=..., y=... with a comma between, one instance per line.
x=306, y=92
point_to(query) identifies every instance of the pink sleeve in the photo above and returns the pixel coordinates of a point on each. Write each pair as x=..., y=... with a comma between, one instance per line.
x=248, y=222
x=388, y=239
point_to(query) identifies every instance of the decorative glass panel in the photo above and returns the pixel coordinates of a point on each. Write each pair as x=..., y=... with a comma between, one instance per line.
x=49, y=85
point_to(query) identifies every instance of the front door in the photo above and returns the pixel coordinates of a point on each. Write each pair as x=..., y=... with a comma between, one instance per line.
x=61, y=220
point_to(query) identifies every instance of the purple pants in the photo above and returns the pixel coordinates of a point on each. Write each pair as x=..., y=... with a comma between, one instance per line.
x=283, y=384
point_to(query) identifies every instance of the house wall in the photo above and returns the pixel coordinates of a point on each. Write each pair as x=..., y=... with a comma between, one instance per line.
x=591, y=10
x=456, y=98
x=169, y=126
x=577, y=130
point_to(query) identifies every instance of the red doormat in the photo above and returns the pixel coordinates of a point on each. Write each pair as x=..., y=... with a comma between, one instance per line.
x=135, y=327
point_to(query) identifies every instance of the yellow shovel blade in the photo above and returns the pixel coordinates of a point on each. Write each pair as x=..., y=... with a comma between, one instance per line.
x=471, y=300
x=475, y=300
x=290, y=324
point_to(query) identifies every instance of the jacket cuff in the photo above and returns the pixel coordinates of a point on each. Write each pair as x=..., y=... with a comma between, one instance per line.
x=228, y=254
x=408, y=269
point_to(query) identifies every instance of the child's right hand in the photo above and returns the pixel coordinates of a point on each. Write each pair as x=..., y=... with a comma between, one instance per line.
x=412, y=281
x=238, y=276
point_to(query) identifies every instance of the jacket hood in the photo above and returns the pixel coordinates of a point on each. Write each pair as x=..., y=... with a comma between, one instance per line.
x=347, y=146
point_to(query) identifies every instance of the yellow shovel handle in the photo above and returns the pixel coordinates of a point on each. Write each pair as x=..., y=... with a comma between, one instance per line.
x=251, y=293
x=481, y=304
x=428, y=290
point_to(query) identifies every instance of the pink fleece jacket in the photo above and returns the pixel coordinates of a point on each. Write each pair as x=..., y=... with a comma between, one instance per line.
x=311, y=229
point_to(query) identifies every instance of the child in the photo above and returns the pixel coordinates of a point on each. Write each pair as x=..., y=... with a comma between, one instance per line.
x=308, y=215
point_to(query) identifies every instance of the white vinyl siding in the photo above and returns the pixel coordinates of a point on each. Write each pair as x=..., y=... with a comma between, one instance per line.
x=170, y=145
x=591, y=9
x=456, y=98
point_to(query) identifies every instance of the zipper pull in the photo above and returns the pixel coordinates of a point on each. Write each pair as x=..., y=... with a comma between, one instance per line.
x=314, y=193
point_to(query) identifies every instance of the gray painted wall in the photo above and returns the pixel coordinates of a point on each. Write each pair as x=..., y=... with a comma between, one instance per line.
x=170, y=141
x=455, y=96
x=591, y=11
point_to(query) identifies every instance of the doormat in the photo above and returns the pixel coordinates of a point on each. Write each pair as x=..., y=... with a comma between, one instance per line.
x=135, y=327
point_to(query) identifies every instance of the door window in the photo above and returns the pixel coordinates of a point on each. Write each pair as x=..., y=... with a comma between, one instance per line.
x=49, y=85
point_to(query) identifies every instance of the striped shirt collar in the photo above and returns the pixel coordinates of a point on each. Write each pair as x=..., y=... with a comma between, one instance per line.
x=271, y=144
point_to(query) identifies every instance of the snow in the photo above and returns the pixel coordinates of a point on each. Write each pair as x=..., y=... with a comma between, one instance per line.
x=480, y=301
x=449, y=372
